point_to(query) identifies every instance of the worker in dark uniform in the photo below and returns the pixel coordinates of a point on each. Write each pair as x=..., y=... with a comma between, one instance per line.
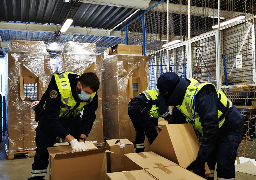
x=212, y=114
x=144, y=111
x=66, y=96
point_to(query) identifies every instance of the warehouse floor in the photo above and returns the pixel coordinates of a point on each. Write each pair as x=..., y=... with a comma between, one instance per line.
x=20, y=167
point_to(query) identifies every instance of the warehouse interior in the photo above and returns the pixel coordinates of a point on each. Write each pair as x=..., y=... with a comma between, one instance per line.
x=128, y=45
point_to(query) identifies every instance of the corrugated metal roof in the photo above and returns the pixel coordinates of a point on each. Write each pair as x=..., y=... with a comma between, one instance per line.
x=102, y=42
x=56, y=11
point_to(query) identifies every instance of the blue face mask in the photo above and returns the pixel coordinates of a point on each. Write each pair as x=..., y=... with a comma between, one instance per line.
x=83, y=95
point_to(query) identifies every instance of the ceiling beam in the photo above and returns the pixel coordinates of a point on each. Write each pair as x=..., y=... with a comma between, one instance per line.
x=195, y=11
x=53, y=28
x=136, y=4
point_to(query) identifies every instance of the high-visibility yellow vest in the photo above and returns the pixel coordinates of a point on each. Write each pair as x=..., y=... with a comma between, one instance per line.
x=67, y=100
x=188, y=105
x=152, y=95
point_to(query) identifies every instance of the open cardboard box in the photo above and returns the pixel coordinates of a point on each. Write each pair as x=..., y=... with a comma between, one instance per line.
x=129, y=175
x=178, y=143
x=117, y=155
x=143, y=160
x=66, y=165
x=173, y=173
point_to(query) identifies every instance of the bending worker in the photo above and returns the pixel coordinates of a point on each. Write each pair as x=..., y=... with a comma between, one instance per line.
x=144, y=111
x=66, y=96
x=212, y=114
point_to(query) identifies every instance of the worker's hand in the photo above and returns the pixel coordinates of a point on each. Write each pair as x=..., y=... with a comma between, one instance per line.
x=198, y=167
x=83, y=146
x=76, y=146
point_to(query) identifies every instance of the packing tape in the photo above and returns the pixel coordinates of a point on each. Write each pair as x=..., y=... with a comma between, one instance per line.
x=143, y=155
x=129, y=176
x=167, y=171
x=159, y=165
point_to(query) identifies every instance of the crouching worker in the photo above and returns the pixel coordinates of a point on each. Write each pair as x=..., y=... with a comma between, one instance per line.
x=144, y=111
x=212, y=114
x=66, y=96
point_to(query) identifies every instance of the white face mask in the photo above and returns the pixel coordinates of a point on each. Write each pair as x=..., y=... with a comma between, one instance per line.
x=83, y=95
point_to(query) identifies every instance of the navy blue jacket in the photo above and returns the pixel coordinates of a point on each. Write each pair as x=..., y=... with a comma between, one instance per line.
x=163, y=109
x=53, y=104
x=206, y=106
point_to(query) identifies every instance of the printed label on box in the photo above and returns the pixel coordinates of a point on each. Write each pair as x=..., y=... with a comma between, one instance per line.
x=239, y=61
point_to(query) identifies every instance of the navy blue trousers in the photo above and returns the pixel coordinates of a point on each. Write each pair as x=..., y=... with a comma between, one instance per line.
x=46, y=138
x=143, y=124
x=225, y=151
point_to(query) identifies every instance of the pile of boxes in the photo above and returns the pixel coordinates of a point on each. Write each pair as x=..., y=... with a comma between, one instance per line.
x=124, y=76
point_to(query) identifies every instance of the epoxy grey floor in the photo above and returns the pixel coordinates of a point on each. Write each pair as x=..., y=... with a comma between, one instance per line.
x=20, y=167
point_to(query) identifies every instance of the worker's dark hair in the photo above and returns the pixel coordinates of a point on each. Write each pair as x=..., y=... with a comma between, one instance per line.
x=90, y=79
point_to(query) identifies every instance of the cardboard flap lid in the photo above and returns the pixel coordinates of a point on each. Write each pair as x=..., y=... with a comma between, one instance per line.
x=149, y=159
x=130, y=175
x=172, y=172
x=63, y=152
x=112, y=142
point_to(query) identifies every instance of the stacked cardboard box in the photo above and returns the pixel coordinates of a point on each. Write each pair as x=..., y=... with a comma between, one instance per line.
x=123, y=78
x=149, y=165
x=26, y=65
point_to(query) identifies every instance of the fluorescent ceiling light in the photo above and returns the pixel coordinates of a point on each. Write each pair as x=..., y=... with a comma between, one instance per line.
x=239, y=18
x=215, y=17
x=171, y=43
x=66, y=25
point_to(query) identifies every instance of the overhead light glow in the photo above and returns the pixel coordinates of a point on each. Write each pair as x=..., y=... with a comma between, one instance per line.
x=66, y=25
x=239, y=18
x=171, y=43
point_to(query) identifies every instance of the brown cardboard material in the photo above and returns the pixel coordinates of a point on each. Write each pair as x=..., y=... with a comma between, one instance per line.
x=81, y=165
x=178, y=143
x=129, y=175
x=125, y=49
x=173, y=173
x=117, y=155
x=144, y=160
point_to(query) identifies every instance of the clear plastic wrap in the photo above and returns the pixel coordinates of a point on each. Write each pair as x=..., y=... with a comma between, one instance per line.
x=29, y=64
x=123, y=77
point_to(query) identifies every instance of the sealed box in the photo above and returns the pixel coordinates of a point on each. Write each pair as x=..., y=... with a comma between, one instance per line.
x=118, y=151
x=173, y=173
x=144, y=160
x=66, y=165
x=129, y=175
x=178, y=143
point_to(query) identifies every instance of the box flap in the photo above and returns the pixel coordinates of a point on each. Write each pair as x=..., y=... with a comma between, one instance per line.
x=112, y=142
x=172, y=172
x=63, y=152
x=149, y=159
x=129, y=175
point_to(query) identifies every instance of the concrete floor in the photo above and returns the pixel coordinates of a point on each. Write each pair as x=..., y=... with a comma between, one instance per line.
x=20, y=167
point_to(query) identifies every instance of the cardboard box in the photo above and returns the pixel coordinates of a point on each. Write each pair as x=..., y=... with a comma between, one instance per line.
x=161, y=125
x=129, y=175
x=173, y=173
x=124, y=49
x=178, y=143
x=88, y=165
x=144, y=160
x=117, y=155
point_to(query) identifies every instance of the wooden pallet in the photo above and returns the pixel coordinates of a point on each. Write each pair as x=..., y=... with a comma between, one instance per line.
x=29, y=154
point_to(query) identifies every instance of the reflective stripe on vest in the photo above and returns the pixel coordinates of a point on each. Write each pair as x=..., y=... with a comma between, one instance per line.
x=188, y=105
x=152, y=95
x=69, y=106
